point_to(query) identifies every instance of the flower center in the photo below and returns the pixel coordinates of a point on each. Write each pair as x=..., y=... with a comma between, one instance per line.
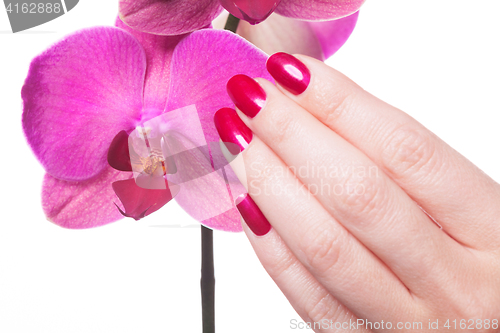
x=154, y=164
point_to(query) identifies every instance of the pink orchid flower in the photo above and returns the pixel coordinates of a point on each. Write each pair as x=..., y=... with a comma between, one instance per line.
x=88, y=91
x=313, y=27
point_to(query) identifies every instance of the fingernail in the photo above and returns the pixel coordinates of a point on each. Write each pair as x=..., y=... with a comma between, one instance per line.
x=289, y=71
x=247, y=94
x=232, y=131
x=252, y=215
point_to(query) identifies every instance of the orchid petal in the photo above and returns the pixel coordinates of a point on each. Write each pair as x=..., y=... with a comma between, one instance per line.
x=282, y=34
x=318, y=9
x=252, y=11
x=139, y=202
x=118, y=153
x=159, y=50
x=227, y=221
x=80, y=205
x=206, y=191
x=78, y=95
x=201, y=66
x=333, y=34
x=230, y=220
x=168, y=17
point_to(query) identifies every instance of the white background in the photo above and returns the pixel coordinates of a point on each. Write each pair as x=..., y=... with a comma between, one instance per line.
x=437, y=60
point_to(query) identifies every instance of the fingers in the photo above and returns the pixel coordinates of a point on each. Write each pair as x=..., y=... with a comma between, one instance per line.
x=346, y=269
x=445, y=184
x=308, y=297
x=348, y=185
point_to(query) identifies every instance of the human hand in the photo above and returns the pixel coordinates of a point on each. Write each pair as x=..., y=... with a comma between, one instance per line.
x=356, y=192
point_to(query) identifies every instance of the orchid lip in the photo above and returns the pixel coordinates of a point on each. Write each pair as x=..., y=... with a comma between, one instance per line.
x=139, y=202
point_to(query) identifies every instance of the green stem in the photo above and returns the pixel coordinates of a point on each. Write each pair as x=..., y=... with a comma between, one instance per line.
x=232, y=23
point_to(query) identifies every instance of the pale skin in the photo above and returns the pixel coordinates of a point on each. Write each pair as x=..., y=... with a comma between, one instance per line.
x=373, y=216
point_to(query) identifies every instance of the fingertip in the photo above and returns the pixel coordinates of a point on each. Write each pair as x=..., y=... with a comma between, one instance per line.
x=253, y=216
x=291, y=73
x=247, y=94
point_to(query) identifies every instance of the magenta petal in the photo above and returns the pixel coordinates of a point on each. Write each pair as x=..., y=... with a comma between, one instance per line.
x=252, y=11
x=118, y=153
x=139, y=202
x=282, y=34
x=78, y=95
x=159, y=50
x=210, y=199
x=228, y=221
x=168, y=17
x=80, y=205
x=201, y=66
x=333, y=34
x=318, y=9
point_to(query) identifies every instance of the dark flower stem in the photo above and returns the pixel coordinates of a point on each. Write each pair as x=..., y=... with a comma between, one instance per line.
x=207, y=281
x=232, y=23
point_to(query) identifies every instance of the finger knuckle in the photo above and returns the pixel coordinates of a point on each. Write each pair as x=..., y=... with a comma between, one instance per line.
x=320, y=245
x=476, y=313
x=475, y=304
x=283, y=125
x=480, y=303
x=338, y=105
x=321, y=305
x=337, y=96
x=281, y=267
x=409, y=151
x=362, y=194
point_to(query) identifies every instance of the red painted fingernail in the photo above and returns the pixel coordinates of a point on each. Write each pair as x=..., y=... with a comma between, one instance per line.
x=252, y=215
x=232, y=131
x=247, y=94
x=289, y=71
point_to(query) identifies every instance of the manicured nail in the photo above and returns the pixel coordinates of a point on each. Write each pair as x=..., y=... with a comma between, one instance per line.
x=289, y=71
x=232, y=131
x=252, y=215
x=247, y=94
